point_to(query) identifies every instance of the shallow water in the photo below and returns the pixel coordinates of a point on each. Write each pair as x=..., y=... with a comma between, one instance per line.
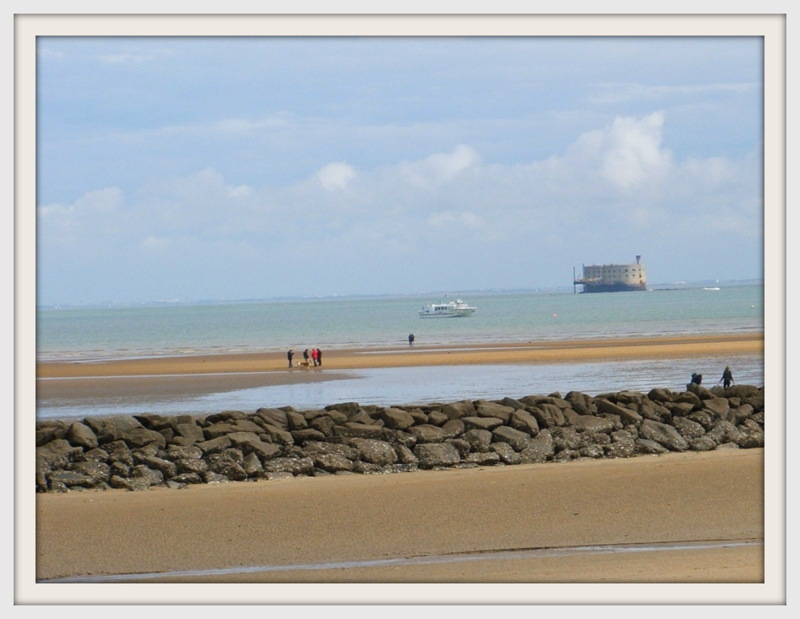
x=526, y=553
x=426, y=384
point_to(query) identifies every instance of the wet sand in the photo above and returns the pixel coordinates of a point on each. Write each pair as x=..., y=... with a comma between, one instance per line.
x=212, y=373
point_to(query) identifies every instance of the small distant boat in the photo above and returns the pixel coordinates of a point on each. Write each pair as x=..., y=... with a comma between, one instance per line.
x=453, y=309
x=712, y=288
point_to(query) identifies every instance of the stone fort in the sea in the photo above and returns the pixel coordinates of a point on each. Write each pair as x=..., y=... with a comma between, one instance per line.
x=612, y=277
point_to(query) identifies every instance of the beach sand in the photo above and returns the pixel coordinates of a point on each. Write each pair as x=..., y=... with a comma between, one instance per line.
x=450, y=522
x=455, y=519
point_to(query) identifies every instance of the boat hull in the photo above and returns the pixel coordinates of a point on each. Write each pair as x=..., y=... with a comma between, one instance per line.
x=450, y=314
x=454, y=309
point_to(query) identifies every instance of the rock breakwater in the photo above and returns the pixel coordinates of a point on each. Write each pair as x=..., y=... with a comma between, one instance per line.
x=140, y=451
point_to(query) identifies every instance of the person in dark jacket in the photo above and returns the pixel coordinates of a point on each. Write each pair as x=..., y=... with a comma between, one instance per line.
x=727, y=377
x=289, y=356
x=697, y=378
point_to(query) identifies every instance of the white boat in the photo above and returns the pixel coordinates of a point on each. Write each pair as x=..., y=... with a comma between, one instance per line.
x=453, y=309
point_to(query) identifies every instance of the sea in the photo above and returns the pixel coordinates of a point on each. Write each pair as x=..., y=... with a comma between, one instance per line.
x=372, y=323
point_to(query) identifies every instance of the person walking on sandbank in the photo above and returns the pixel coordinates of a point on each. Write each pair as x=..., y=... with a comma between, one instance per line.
x=289, y=356
x=319, y=357
x=410, y=339
x=727, y=377
x=314, y=358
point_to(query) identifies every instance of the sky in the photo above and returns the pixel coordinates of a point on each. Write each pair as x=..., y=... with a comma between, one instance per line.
x=189, y=169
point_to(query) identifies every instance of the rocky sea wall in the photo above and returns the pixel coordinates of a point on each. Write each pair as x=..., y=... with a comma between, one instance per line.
x=141, y=451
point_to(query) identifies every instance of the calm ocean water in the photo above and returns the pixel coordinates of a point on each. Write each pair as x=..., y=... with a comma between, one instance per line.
x=94, y=334
x=86, y=335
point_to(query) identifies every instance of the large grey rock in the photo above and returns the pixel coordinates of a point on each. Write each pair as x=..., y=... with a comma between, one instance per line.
x=99, y=472
x=688, y=428
x=81, y=435
x=397, y=419
x=191, y=465
x=493, y=409
x=506, y=434
x=375, y=451
x=478, y=439
x=488, y=458
x=627, y=415
x=191, y=431
x=108, y=429
x=141, y=436
x=359, y=430
x=523, y=421
x=590, y=423
x=481, y=423
x=274, y=417
x=59, y=453
x=427, y=433
x=663, y=434
x=433, y=455
x=453, y=428
x=332, y=463
x=506, y=453
x=719, y=407
x=548, y=415
x=295, y=466
x=457, y=410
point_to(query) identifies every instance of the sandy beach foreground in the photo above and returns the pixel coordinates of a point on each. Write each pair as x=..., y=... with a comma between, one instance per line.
x=675, y=518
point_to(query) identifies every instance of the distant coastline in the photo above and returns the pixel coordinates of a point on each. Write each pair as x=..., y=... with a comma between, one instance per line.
x=388, y=295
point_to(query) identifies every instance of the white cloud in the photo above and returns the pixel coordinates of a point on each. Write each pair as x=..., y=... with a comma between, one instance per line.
x=96, y=211
x=242, y=191
x=336, y=176
x=441, y=168
x=628, y=153
x=615, y=182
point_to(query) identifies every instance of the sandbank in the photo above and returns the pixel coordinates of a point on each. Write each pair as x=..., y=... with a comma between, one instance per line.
x=217, y=372
x=297, y=530
x=561, y=351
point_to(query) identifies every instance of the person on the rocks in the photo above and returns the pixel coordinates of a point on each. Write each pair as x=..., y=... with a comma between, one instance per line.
x=727, y=377
x=697, y=378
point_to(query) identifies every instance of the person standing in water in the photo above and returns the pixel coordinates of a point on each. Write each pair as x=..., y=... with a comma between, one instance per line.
x=410, y=339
